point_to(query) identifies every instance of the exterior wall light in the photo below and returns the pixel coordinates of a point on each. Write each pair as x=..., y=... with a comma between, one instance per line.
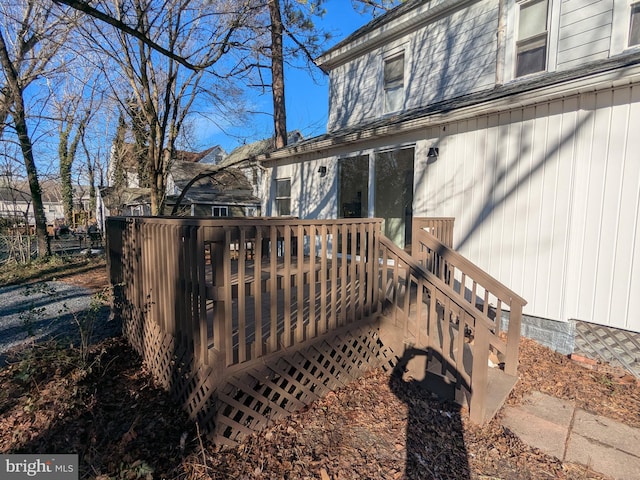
x=432, y=155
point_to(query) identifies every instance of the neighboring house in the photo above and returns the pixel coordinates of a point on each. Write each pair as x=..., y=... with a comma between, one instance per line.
x=521, y=119
x=16, y=203
x=244, y=158
x=213, y=156
x=15, y=206
x=220, y=193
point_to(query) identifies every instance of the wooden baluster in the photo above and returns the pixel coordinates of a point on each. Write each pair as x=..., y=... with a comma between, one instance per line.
x=300, y=284
x=257, y=289
x=242, y=298
x=273, y=289
x=334, y=276
x=480, y=373
x=513, y=338
x=323, y=279
x=312, y=281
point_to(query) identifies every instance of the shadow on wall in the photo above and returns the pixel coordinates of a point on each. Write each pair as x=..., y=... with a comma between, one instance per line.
x=354, y=100
x=317, y=201
x=463, y=43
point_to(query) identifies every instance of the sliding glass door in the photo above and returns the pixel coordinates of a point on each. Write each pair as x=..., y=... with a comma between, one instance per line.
x=394, y=193
x=392, y=184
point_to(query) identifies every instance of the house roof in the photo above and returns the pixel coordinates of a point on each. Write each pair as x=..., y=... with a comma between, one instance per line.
x=222, y=186
x=114, y=198
x=202, y=195
x=12, y=194
x=618, y=70
x=377, y=22
x=220, y=178
x=51, y=191
x=129, y=161
x=409, y=16
x=255, y=149
x=184, y=156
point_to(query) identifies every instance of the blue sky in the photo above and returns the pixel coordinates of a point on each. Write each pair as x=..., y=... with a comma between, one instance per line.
x=307, y=100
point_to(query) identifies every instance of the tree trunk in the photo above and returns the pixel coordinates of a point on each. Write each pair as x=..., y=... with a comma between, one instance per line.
x=65, y=175
x=44, y=249
x=277, y=75
x=20, y=124
x=91, y=177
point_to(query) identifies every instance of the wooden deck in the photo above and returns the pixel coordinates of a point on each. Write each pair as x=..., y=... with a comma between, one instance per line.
x=245, y=320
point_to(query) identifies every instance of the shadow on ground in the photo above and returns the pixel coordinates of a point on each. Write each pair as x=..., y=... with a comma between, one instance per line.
x=435, y=443
x=114, y=418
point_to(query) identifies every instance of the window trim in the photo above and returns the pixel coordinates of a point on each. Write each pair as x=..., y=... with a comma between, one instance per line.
x=391, y=56
x=221, y=208
x=532, y=42
x=632, y=7
x=281, y=198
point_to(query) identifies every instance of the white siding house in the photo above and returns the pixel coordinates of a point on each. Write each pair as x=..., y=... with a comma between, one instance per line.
x=534, y=109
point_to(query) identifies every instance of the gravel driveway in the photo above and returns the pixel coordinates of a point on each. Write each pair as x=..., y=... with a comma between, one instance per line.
x=47, y=310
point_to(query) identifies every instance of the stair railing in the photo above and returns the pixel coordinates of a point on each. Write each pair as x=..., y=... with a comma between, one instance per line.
x=469, y=284
x=433, y=317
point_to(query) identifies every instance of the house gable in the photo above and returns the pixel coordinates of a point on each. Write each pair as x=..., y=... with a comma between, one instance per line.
x=457, y=48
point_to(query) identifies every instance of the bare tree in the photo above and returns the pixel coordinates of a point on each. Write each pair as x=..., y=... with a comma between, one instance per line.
x=73, y=110
x=285, y=34
x=158, y=90
x=31, y=34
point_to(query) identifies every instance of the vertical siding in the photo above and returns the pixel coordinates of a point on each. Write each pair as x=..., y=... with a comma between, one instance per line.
x=584, y=32
x=631, y=200
x=547, y=199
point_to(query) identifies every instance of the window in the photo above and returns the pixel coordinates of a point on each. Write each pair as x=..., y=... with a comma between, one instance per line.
x=634, y=28
x=217, y=211
x=283, y=196
x=531, y=45
x=393, y=84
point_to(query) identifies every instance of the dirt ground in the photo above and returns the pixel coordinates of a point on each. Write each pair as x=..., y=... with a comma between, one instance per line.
x=110, y=412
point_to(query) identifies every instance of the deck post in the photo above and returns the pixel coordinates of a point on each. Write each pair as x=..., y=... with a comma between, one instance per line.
x=219, y=327
x=479, y=375
x=513, y=339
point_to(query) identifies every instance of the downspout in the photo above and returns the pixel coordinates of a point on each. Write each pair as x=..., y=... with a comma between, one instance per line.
x=500, y=42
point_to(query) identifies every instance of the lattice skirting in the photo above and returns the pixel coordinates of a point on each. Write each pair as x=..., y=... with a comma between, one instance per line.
x=618, y=347
x=251, y=399
x=231, y=406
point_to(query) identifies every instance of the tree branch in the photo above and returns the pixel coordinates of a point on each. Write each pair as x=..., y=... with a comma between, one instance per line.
x=95, y=13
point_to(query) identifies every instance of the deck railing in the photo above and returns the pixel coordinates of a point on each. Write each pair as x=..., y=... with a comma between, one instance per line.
x=439, y=227
x=474, y=288
x=239, y=289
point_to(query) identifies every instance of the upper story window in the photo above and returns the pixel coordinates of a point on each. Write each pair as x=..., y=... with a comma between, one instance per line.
x=222, y=211
x=283, y=196
x=634, y=28
x=531, y=44
x=393, y=84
